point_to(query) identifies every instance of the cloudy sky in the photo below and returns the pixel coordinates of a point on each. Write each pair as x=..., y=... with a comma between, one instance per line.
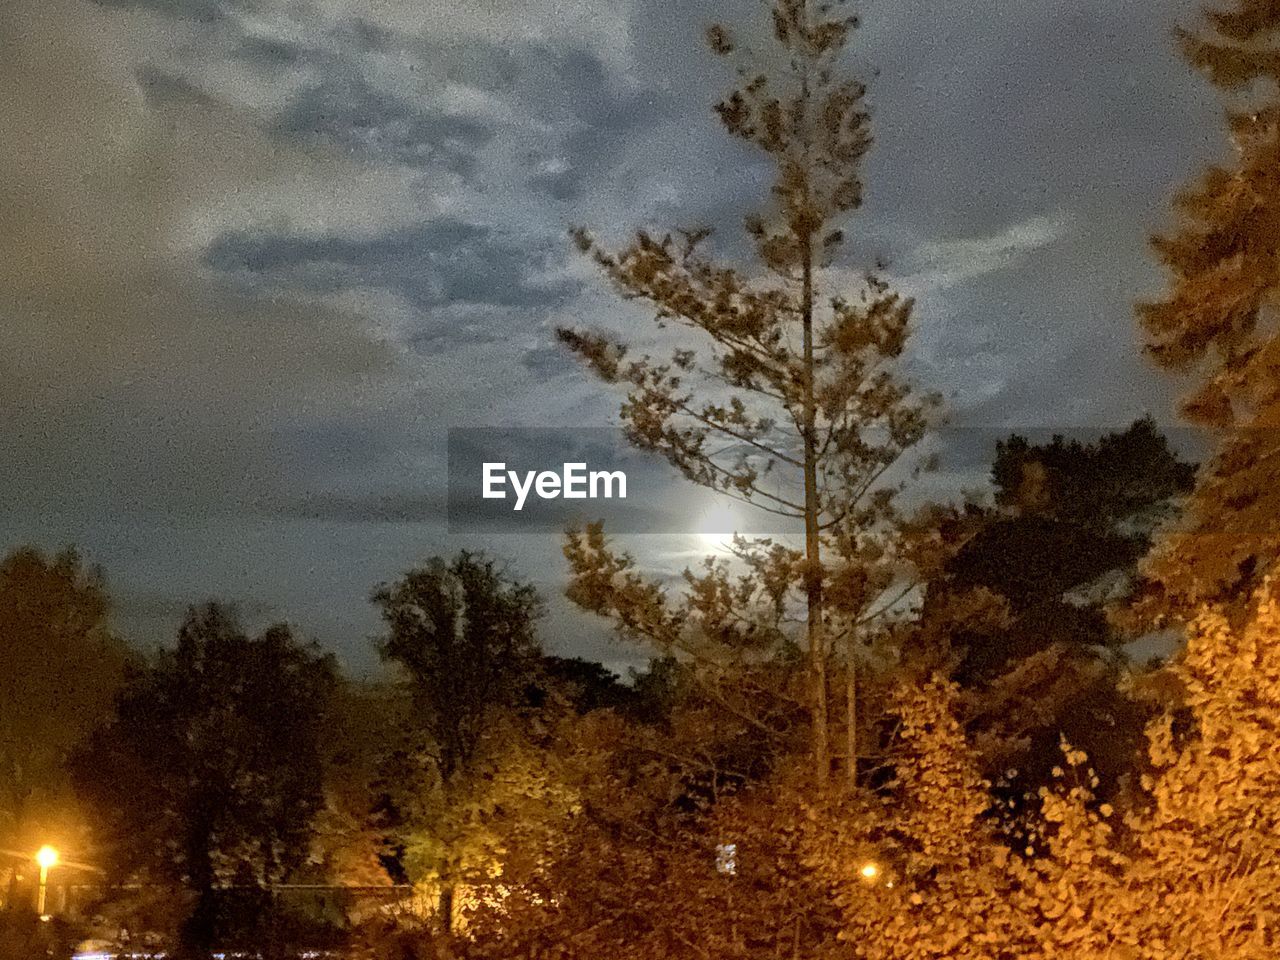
x=258, y=256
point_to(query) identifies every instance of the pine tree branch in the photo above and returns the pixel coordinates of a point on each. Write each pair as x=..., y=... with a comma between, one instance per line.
x=728, y=431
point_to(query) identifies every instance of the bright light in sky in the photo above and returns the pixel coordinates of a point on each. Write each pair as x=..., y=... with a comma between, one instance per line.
x=716, y=527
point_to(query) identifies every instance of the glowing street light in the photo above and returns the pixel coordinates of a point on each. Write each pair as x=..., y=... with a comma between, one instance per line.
x=46, y=857
x=869, y=872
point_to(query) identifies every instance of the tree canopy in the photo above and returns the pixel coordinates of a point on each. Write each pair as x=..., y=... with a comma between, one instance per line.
x=60, y=666
x=210, y=772
x=785, y=389
x=1021, y=613
x=1217, y=323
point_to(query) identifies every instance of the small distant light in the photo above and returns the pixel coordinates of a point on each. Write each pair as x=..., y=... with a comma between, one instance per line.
x=727, y=858
x=869, y=871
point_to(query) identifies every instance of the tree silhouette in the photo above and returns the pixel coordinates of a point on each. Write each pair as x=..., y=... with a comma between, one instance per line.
x=210, y=772
x=463, y=633
x=60, y=667
x=1039, y=657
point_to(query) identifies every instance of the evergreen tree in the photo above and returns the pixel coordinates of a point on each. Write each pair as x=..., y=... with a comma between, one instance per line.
x=784, y=394
x=1218, y=322
x=1018, y=613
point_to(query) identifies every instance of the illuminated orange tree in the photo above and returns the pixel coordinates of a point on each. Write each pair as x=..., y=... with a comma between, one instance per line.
x=1188, y=871
x=1218, y=321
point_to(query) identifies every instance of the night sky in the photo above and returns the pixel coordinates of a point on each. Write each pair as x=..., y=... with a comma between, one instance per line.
x=258, y=256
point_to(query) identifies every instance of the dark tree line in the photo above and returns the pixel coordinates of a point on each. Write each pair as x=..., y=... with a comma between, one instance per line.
x=232, y=761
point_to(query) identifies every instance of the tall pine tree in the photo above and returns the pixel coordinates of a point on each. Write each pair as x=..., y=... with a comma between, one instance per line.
x=784, y=394
x=1218, y=321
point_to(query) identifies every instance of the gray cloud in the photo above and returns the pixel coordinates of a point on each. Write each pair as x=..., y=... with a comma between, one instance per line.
x=269, y=54
x=377, y=508
x=441, y=262
x=201, y=11
x=347, y=113
x=259, y=256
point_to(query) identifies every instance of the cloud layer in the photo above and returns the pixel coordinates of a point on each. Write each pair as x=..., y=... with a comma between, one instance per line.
x=259, y=256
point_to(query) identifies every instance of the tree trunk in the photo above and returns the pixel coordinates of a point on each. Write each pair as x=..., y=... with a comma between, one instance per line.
x=195, y=939
x=812, y=540
x=851, y=712
x=446, y=907
x=196, y=935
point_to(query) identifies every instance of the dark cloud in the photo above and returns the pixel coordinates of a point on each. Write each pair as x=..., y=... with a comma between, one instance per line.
x=161, y=87
x=563, y=185
x=269, y=53
x=550, y=361
x=441, y=262
x=985, y=115
x=378, y=508
x=346, y=112
x=224, y=327
x=365, y=36
x=201, y=11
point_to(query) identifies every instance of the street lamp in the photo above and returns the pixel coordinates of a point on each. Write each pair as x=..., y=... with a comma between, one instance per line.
x=47, y=857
